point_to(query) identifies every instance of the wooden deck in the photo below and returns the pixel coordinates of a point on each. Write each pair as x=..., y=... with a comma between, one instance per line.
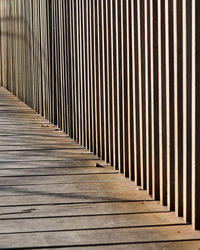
x=52, y=195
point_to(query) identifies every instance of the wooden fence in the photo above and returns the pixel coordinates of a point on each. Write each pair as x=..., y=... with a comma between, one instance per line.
x=122, y=77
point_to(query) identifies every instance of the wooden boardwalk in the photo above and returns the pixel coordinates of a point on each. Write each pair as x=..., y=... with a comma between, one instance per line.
x=52, y=195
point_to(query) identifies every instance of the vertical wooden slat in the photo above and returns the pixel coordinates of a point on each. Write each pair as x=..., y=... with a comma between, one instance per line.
x=154, y=101
x=103, y=99
x=170, y=100
x=75, y=73
x=187, y=110
x=195, y=115
x=133, y=171
x=81, y=90
x=119, y=87
x=72, y=108
x=109, y=82
x=105, y=83
x=162, y=101
x=124, y=86
x=136, y=96
x=114, y=85
x=165, y=103
x=150, y=90
x=99, y=75
x=178, y=93
x=84, y=88
x=130, y=82
x=140, y=16
x=89, y=110
x=78, y=71
x=146, y=97
x=168, y=110
x=96, y=90
x=91, y=6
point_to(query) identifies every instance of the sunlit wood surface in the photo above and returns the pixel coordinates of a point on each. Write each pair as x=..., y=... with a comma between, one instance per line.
x=52, y=195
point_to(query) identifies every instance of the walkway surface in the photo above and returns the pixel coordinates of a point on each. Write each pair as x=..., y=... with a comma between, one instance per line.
x=52, y=195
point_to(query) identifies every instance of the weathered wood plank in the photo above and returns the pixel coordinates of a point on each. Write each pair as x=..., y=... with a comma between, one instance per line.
x=34, y=180
x=64, y=188
x=57, y=162
x=99, y=237
x=81, y=209
x=30, y=225
x=184, y=245
x=87, y=197
x=51, y=171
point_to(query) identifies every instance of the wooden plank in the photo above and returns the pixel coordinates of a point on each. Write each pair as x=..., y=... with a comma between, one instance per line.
x=65, y=162
x=69, y=198
x=55, y=151
x=99, y=237
x=73, y=223
x=63, y=188
x=169, y=245
x=22, y=146
x=62, y=179
x=41, y=158
x=50, y=171
x=146, y=246
x=81, y=209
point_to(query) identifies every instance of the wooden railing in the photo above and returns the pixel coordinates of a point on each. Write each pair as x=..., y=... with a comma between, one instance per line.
x=119, y=76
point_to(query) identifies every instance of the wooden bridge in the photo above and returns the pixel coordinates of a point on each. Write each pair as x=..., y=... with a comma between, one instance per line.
x=99, y=124
x=52, y=194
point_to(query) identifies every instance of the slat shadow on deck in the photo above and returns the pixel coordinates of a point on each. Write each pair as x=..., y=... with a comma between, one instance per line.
x=52, y=195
